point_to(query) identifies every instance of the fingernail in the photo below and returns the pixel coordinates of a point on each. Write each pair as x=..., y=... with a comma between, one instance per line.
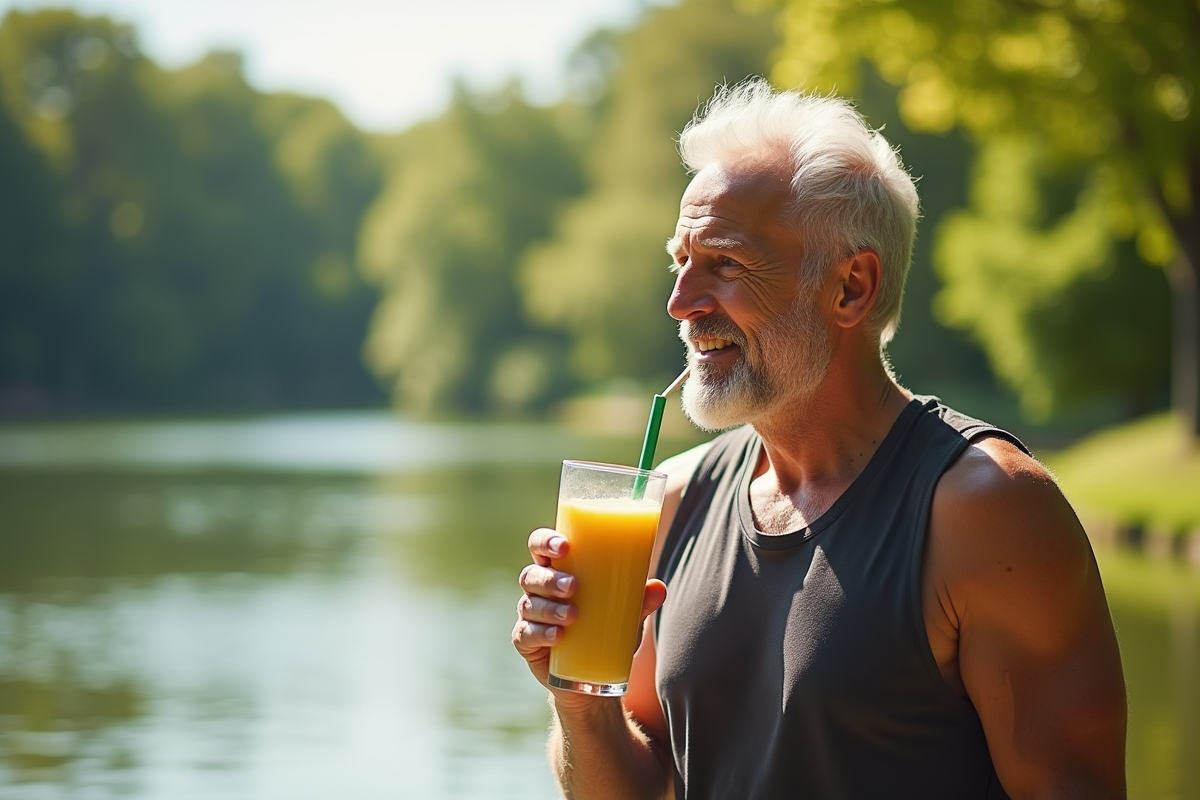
x=556, y=544
x=563, y=583
x=551, y=634
x=560, y=611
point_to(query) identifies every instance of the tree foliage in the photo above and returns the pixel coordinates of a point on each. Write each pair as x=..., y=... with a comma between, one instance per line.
x=1089, y=163
x=178, y=239
x=1067, y=313
x=464, y=195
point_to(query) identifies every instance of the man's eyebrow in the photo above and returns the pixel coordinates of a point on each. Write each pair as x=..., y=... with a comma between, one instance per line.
x=710, y=243
x=720, y=243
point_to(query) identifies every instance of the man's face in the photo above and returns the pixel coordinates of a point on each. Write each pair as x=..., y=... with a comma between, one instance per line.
x=755, y=340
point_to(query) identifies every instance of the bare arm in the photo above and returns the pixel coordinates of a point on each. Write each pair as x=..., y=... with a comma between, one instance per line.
x=600, y=747
x=602, y=752
x=1013, y=575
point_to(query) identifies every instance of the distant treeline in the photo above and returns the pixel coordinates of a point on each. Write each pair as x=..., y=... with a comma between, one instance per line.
x=177, y=240
x=172, y=240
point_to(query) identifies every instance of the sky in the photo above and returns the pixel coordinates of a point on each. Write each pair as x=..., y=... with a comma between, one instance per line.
x=385, y=63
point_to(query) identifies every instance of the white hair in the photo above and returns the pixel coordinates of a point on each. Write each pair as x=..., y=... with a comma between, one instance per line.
x=849, y=188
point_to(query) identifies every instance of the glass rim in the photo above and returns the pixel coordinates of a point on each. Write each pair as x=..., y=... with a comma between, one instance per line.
x=619, y=469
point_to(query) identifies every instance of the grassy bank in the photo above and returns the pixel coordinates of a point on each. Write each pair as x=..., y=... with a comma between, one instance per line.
x=1140, y=474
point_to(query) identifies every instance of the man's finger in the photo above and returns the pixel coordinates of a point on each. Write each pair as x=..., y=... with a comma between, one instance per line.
x=543, y=581
x=547, y=543
x=541, y=609
x=531, y=637
x=654, y=597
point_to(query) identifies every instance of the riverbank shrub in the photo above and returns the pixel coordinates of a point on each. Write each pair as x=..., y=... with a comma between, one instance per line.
x=1144, y=473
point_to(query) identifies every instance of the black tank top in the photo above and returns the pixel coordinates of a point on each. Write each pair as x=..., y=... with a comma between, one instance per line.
x=797, y=665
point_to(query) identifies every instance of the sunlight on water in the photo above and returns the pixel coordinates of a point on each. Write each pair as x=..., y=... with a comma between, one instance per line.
x=361, y=442
x=316, y=607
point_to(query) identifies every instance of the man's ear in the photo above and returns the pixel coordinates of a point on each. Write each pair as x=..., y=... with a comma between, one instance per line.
x=858, y=279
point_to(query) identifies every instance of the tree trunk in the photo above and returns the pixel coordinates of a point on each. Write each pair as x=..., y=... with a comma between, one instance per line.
x=1185, y=342
x=1184, y=278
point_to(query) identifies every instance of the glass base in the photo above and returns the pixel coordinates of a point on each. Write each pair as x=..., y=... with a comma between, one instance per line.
x=583, y=687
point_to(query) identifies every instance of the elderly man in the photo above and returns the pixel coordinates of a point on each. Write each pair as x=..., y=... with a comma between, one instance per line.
x=870, y=595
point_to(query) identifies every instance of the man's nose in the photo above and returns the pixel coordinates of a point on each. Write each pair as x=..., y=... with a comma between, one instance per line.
x=692, y=296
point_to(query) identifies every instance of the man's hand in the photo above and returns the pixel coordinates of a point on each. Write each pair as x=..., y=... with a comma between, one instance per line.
x=544, y=609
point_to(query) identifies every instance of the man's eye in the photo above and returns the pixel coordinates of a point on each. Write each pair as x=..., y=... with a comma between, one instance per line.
x=675, y=266
x=728, y=264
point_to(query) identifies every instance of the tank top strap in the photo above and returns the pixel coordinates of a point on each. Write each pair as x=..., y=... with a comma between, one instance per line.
x=969, y=428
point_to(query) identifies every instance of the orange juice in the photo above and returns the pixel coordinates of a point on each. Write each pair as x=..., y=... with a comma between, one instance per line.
x=609, y=556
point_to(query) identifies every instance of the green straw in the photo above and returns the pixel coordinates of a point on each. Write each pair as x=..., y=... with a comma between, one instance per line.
x=657, y=407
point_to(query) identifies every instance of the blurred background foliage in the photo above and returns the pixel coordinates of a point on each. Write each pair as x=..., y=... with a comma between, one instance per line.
x=463, y=196
x=172, y=240
x=176, y=240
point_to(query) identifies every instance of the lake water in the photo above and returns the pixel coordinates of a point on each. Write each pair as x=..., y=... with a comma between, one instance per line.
x=319, y=606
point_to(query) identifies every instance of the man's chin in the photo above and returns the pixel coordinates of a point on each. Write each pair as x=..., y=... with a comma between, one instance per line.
x=714, y=414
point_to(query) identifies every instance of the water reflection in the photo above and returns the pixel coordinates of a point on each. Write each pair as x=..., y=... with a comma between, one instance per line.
x=473, y=527
x=65, y=532
x=339, y=631
x=1156, y=608
x=174, y=627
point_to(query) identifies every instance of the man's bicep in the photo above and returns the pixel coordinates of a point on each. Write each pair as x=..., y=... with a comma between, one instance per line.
x=1054, y=717
x=1037, y=651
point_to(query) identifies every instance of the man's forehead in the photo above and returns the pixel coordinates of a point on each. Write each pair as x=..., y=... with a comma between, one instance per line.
x=760, y=175
x=727, y=208
x=719, y=191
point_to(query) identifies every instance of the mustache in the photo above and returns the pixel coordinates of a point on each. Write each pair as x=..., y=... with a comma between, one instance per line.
x=711, y=327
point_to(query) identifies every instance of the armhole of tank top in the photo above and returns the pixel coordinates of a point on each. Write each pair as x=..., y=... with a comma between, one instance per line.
x=670, y=558
x=916, y=601
x=976, y=432
x=701, y=478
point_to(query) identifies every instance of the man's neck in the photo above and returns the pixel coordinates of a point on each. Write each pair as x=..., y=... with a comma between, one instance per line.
x=814, y=448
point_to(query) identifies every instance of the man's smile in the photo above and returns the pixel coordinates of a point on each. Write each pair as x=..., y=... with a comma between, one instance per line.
x=708, y=345
x=713, y=350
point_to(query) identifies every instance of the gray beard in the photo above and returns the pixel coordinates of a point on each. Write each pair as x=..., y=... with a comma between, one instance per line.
x=791, y=362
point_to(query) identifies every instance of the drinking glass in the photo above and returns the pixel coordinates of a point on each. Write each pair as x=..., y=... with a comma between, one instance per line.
x=609, y=514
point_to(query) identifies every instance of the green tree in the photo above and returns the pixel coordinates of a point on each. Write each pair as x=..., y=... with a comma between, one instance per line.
x=602, y=276
x=32, y=264
x=192, y=239
x=463, y=196
x=70, y=85
x=1068, y=314
x=1089, y=162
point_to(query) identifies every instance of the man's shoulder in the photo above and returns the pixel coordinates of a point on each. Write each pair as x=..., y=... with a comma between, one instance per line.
x=996, y=504
x=994, y=469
